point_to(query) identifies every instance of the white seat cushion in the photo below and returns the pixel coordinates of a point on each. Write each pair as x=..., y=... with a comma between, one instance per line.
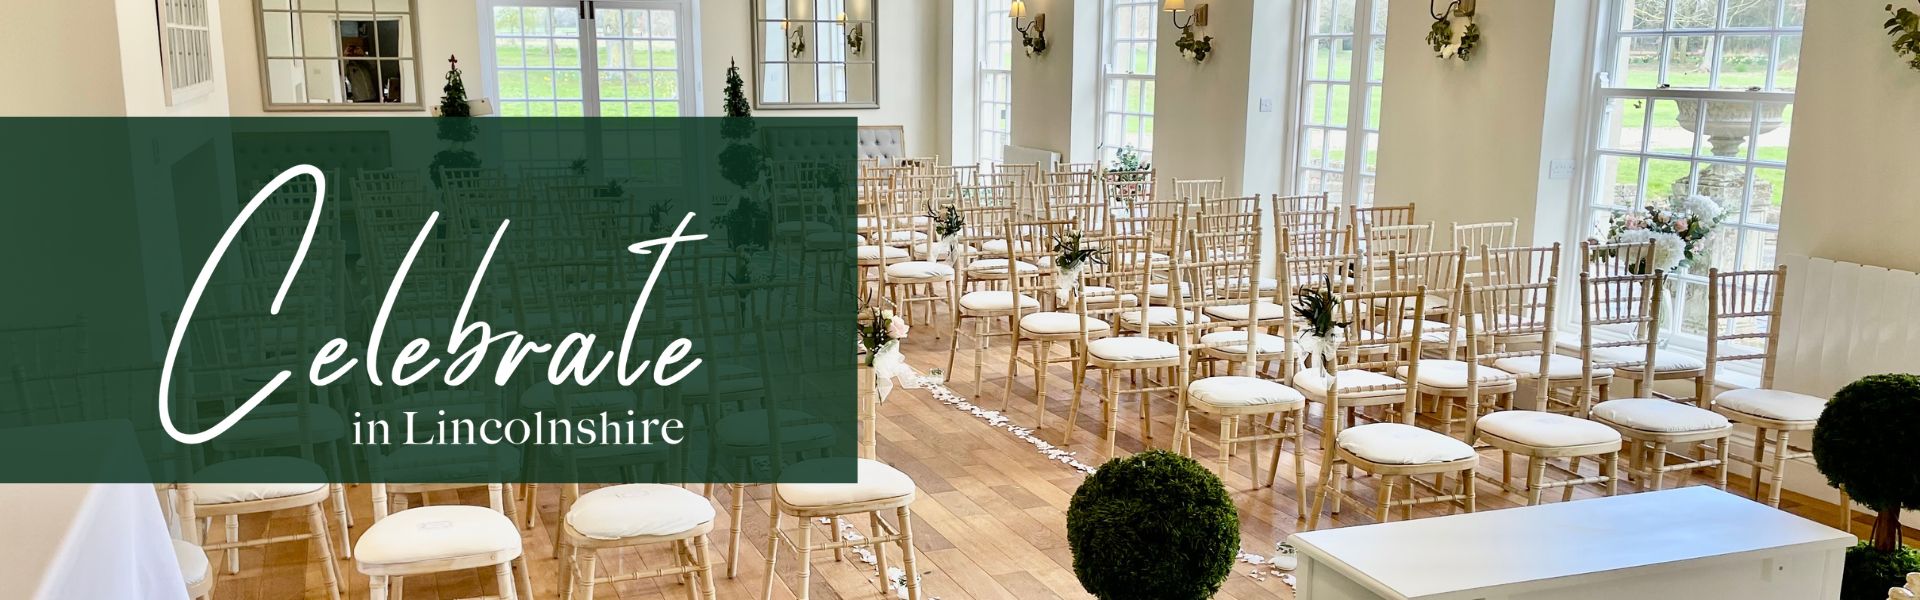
x=1158, y=291
x=437, y=532
x=1100, y=294
x=748, y=429
x=1452, y=374
x=1558, y=367
x=1658, y=415
x=1236, y=341
x=1267, y=284
x=1664, y=360
x=285, y=467
x=1545, y=429
x=999, y=265
x=1059, y=322
x=1314, y=383
x=876, y=481
x=906, y=236
x=638, y=509
x=919, y=269
x=1160, y=316
x=870, y=252
x=1132, y=348
x=1238, y=312
x=872, y=222
x=1400, y=444
x=995, y=300
x=1778, y=405
x=1235, y=392
x=194, y=566
x=1431, y=332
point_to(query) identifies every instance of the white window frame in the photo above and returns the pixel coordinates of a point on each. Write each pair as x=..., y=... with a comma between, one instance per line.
x=1354, y=173
x=1109, y=75
x=687, y=49
x=994, y=21
x=1597, y=193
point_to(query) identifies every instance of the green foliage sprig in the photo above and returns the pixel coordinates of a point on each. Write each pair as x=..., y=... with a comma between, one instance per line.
x=1869, y=572
x=1316, y=305
x=748, y=226
x=1155, y=525
x=1070, y=253
x=1440, y=36
x=1197, y=49
x=946, y=221
x=1904, y=26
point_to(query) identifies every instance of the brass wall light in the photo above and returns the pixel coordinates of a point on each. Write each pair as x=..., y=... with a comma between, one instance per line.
x=796, y=39
x=1033, y=35
x=856, y=34
x=1196, y=48
x=1196, y=17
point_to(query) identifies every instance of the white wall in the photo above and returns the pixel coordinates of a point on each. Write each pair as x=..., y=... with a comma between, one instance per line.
x=1054, y=93
x=1472, y=142
x=1208, y=123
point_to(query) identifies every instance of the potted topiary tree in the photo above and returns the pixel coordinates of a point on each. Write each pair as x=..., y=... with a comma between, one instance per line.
x=1152, y=526
x=1860, y=446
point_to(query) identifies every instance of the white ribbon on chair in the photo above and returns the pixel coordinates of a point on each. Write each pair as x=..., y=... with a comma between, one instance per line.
x=889, y=363
x=1314, y=346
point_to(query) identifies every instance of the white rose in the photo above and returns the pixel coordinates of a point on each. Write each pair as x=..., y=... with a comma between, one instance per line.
x=1668, y=251
x=1703, y=209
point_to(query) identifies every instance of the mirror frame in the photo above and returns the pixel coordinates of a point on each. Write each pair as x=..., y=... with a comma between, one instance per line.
x=266, y=92
x=759, y=65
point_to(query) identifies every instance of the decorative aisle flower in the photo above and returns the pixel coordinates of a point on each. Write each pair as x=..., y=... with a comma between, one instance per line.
x=1668, y=251
x=1322, y=335
x=1678, y=231
x=1072, y=258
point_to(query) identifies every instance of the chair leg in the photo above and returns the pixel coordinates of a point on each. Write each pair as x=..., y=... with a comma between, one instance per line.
x=233, y=535
x=1042, y=357
x=979, y=346
x=330, y=572
x=1110, y=410
x=773, y=551
x=733, y=534
x=911, y=567
x=879, y=550
x=377, y=587
x=525, y=577
x=1227, y=427
x=1720, y=448
x=1779, y=466
x=839, y=533
x=1610, y=463
x=1536, y=471
x=342, y=519
x=1013, y=365
x=806, y=559
x=1573, y=466
x=584, y=571
x=1760, y=439
x=1656, y=465
x=953, y=346
x=1299, y=460
x=1472, y=492
x=1320, y=494
x=1384, y=511
x=704, y=552
x=1073, y=405
x=533, y=503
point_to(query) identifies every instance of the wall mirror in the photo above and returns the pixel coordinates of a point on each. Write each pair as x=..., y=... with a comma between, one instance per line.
x=339, y=54
x=816, y=54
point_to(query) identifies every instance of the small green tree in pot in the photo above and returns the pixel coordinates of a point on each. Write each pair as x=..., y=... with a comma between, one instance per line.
x=1153, y=526
x=1862, y=445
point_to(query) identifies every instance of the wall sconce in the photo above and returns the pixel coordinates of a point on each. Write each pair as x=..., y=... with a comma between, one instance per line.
x=1196, y=17
x=856, y=34
x=796, y=39
x=1033, y=35
x=1189, y=45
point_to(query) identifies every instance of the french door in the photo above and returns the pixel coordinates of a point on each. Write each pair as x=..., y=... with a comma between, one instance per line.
x=591, y=58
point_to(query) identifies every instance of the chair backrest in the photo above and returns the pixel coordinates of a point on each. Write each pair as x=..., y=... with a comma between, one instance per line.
x=1611, y=259
x=381, y=509
x=1380, y=239
x=1308, y=219
x=1196, y=190
x=1127, y=188
x=1527, y=268
x=1498, y=313
x=1221, y=273
x=1068, y=200
x=1378, y=215
x=1229, y=214
x=1618, y=311
x=1377, y=339
x=1313, y=241
x=1743, y=318
x=1492, y=234
x=1127, y=272
x=1301, y=203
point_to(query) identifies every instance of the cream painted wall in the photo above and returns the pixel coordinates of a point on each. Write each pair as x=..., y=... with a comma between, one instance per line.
x=144, y=90
x=1472, y=142
x=1853, y=193
x=1208, y=122
x=1054, y=93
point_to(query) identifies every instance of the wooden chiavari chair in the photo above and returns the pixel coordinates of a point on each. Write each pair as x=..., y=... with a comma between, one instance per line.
x=1615, y=260
x=1446, y=380
x=1362, y=217
x=1538, y=435
x=1403, y=239
x=1651, y=425
x=1058, y=325
x=1397, y=452
x=1240, y=400
x=976, y=267
x=1317, y=242
x=1522, y=317
x=1074, y=201
x=926, y=281
x=1743, y=324
x=1128, y=189
x=1129, y=270
x=436, y=539
x=1473, y=236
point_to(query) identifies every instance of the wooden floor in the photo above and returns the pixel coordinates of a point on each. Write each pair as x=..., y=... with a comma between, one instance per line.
x=990, y=519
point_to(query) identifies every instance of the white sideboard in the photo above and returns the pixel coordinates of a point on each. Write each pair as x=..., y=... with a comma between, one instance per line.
x=1695, y=543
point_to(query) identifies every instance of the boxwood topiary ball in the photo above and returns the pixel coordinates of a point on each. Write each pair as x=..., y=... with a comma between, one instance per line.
x=1861, y=443
x=1155, y=525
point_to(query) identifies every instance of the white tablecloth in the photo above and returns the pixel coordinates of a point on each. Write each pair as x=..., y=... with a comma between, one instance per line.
x=86, y=541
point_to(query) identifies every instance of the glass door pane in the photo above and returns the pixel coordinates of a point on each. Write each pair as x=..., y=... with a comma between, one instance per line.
x=538, y=69
x=639, y=54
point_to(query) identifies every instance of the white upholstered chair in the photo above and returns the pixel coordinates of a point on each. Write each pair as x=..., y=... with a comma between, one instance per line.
x=437, y=539
x=638, y=514
x=878, y=489
x=1743, y=324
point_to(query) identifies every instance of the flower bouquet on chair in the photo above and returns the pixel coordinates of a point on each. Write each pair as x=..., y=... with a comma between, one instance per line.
x=880, y=335
x=1070, y=258
x=1322, y=335
x=947, y=224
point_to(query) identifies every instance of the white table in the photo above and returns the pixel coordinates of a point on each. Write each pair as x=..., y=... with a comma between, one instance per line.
x=1694, y=543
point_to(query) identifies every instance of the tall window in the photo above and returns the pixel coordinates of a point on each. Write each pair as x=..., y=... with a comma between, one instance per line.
x=1340, y=111
x=637, y=61
x=995, y=85
x=1127, y=78
x=1697, y=99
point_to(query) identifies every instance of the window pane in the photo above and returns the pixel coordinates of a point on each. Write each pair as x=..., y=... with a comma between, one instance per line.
x=1343, y=59
x=1320, y=62
x=1625, y=125
x=1759, y=250
x=1751, y=13
x=1769, y=188
x=1796, y=14
x=1667, y=178
x=1644, y=15
x=1668, y=134
x=1317, y=104
x=1336, y=148
x=1696, y=14
x=1776, y=126
x=1315, y=154
x=1623, y=191
x=1641, y=55
x=1786, y=75
x=1726, y=129
x=1337, y=105
x=1744, y=60
x=1373, y=108
x=1687, y=65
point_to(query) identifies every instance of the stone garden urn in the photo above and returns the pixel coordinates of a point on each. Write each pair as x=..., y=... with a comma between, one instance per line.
x=1727, y=126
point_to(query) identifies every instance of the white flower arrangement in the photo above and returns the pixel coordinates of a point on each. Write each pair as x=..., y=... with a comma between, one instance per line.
x=1678, y=231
